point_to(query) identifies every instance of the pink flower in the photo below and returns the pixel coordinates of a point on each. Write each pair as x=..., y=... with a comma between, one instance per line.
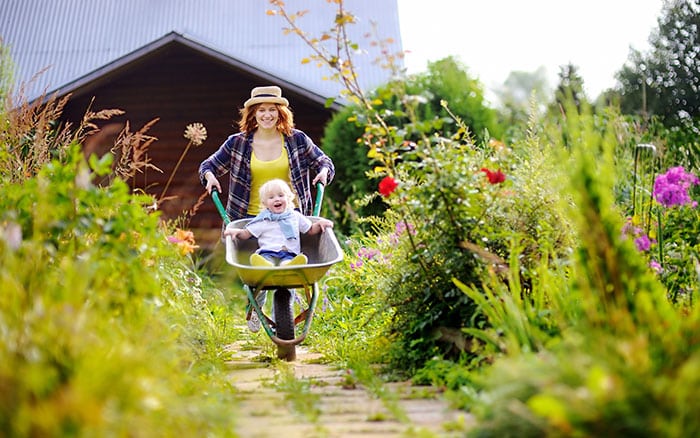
x=671, y=188
x=656, y=267
x=643, y=243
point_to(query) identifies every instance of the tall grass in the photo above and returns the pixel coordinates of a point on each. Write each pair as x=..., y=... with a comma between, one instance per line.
x=106, y=327
x=625, y=356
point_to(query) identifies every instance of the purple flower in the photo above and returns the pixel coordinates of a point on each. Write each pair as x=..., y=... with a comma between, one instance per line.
x=656, y=266
x=671, y=188
x=401, y=227
x=629, y=229
x=642, y=243
x=357, y=265
x=367, y=253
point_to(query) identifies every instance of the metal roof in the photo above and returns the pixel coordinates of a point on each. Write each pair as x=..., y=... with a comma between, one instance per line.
x=63, y=44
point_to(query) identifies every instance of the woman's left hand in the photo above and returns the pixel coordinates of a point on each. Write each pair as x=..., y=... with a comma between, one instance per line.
x=322, y=177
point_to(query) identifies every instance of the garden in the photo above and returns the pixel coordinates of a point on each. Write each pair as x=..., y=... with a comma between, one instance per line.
x=542, y=273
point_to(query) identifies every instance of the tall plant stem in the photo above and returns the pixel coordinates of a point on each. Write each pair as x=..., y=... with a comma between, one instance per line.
x=172, y=174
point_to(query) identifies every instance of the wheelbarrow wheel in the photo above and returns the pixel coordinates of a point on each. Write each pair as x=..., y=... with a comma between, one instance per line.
x=284, y=323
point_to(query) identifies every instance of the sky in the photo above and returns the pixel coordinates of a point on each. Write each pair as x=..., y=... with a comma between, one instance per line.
x=495, y=37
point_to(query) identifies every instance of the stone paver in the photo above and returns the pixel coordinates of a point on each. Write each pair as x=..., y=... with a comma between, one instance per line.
x=329, y=408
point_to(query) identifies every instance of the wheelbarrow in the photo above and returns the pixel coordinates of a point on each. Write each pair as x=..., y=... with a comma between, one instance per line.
x=322, y=250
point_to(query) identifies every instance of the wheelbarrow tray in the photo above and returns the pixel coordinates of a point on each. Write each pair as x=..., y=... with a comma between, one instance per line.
x=322, y=251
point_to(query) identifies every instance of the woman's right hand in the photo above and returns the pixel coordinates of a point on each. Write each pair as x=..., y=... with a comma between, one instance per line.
x=212, y=182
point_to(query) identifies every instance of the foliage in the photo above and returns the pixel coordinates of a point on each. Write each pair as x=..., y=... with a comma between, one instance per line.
x=346, y=196
x=666, y=81
x=619, y=332
x=6, y=73
x=518, y=274
x=569, y=89
x=447, y=79
x=448, y=218
x=517, y=96
x=414, y=104
x=107, y=328
x=679, y=144
x=664, y=227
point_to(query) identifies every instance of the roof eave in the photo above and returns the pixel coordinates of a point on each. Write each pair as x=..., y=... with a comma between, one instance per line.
x=108, y=70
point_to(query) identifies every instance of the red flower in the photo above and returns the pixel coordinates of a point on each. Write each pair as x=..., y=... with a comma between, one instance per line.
x=496, y=177
x=387, y=186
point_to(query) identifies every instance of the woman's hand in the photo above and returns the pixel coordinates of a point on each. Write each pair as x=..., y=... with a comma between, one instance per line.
x=322, y=176
x=212, y=182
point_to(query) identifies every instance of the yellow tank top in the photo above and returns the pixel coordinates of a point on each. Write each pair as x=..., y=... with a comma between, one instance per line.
x=262, y=171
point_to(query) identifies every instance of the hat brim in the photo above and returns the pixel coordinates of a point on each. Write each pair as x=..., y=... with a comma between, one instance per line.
x=266, y=99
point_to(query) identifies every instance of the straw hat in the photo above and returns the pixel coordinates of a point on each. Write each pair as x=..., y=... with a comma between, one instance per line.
x=269, y=94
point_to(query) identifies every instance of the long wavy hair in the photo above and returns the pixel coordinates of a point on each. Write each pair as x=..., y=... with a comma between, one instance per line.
x=285, y=121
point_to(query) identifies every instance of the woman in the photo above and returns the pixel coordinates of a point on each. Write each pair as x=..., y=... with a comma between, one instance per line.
x=267, y=147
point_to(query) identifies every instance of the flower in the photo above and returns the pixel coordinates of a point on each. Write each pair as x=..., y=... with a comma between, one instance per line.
x=387, y=186
x=671, y=188
x=496, y=177
x=643, y=243
x=184, y=239
x=656, y=267
x=641, y=240
x=196, y=133
x=401, y=227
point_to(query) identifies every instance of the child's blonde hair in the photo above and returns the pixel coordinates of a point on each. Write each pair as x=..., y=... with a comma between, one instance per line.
x=276, y=185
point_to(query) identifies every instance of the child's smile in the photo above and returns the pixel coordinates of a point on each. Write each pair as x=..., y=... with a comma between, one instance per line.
x=277, y=203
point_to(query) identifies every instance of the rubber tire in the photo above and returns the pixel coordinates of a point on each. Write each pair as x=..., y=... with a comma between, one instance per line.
x=284, y=323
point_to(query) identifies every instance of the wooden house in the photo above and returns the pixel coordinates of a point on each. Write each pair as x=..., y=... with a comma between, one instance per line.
x=181, y=62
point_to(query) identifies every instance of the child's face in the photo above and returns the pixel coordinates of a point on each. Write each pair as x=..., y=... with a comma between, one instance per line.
x=276, y=201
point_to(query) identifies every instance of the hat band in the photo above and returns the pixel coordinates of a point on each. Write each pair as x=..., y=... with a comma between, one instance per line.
x=265, y=95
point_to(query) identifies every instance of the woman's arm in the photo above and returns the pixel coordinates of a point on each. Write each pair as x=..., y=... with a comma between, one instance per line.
x=216, y=164
x=320, y=162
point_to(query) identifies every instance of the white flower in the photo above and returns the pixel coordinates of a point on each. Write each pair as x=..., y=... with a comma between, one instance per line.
x=196, y=133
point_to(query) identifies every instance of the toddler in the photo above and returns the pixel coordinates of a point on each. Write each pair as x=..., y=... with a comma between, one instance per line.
x=278, y=227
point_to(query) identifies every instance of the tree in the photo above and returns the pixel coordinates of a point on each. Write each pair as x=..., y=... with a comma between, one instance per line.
x=569, y=89
x=520, y=91
x=449, y=80
x=666, y=81
x=445, y=80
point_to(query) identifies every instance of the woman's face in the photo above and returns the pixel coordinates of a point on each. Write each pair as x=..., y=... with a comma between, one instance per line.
x=267, y=115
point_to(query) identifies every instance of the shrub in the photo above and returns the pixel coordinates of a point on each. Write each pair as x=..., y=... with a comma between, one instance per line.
x=413, y=108
x=101, y=316
x=625, y=355
x=457, y=211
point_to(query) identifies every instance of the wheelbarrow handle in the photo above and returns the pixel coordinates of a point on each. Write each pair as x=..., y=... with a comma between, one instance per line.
x=222, y=211
x=319, y=199
x=219, y=206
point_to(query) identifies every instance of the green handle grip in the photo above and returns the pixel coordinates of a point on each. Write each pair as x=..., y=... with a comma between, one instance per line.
x=219, y=206
x=319, y=199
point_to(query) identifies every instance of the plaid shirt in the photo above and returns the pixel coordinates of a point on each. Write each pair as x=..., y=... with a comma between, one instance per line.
x=234, y=157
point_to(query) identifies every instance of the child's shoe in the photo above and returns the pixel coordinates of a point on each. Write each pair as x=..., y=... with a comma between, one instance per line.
x=298, y=260
x=258, y=260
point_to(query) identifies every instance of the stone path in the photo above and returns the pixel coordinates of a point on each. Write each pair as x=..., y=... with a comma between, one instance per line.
x=307, y=399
